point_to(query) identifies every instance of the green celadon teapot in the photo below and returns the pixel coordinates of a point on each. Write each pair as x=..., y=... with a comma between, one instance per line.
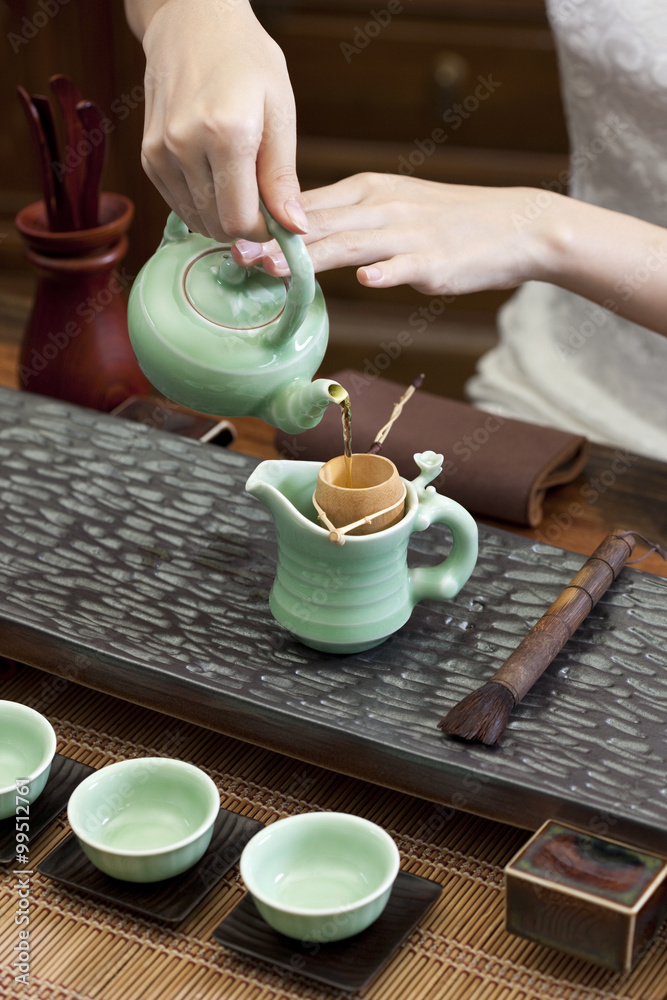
x=229, y=340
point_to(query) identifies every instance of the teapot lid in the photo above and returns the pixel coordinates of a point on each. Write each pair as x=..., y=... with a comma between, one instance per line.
x=230, y=295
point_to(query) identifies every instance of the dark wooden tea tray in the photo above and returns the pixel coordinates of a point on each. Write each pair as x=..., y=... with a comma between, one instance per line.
x=133, y=562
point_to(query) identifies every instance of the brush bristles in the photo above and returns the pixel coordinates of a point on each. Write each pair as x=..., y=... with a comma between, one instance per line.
x=482, y=715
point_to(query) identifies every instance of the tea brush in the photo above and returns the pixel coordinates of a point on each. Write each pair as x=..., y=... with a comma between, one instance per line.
x=483, y=715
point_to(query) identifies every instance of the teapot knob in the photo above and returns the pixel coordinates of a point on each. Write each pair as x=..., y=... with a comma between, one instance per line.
x=231, y=273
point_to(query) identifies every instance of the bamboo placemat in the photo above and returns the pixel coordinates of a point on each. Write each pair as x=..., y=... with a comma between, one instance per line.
x=81, y=948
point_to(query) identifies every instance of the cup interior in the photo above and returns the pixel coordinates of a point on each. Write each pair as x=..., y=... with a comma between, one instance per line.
x=359, y=472
x=27, y=743
x=319, y=863
x=143, y=806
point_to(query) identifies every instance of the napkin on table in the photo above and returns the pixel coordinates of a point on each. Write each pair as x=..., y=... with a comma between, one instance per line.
x=493, y=466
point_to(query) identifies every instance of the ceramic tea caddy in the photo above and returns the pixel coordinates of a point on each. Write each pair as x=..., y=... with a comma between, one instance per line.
x=351, y=597
x=221, y=338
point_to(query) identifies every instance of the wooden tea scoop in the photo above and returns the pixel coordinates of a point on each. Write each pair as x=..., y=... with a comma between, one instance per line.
x=483, y=714
x=68, y=96
x=91, y=118
x=64, y=220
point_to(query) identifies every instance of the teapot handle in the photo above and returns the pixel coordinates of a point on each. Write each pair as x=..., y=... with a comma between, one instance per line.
x=301, y=289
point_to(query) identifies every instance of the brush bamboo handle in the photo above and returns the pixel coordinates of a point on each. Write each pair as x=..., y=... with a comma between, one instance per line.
x=536, y=651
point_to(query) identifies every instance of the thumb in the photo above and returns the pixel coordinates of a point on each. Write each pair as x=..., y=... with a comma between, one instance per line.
x=423, y=273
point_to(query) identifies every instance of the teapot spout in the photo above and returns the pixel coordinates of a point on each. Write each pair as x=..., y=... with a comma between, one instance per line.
x=301, y=404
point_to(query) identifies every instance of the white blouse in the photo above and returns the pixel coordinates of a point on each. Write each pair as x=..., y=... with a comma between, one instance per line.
x=562, y=360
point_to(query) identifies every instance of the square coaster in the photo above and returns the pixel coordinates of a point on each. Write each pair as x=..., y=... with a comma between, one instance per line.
x=65, y=775
x=350, y=964
x=170, y=900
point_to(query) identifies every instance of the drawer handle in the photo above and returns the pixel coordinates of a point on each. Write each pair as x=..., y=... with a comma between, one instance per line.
x=451, y=72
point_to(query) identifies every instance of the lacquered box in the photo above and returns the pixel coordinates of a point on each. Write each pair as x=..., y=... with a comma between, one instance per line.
x=586, y=895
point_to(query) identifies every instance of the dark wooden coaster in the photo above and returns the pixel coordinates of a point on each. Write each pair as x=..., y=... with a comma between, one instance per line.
x=350, y=964
x=170, y=900
x=65, y=775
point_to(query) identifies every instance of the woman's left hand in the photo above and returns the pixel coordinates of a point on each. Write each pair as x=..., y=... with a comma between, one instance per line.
x=440, y=238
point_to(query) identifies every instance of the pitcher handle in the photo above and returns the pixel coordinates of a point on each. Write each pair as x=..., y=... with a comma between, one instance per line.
x=301, y=289
x=444, y=581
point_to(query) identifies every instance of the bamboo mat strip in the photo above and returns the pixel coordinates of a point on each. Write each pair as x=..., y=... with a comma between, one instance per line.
x=87, y=949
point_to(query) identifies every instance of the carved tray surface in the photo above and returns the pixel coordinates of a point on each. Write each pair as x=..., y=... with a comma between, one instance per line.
x=131, y=560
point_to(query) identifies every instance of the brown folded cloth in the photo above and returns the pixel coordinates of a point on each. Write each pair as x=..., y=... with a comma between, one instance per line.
x=494, y=466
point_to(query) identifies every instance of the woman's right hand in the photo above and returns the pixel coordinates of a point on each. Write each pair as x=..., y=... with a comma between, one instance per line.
x=220, y=121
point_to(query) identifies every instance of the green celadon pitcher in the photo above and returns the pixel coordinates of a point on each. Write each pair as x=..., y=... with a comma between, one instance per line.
x=344, y=599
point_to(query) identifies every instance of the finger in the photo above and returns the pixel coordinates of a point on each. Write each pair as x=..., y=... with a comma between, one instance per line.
x=236, y=197
x=276, y=168
x=276, y=264
x=351, y=248
x=174, y=189
x=360, y=225
x=421, y=272
x=348, y=191
x=251, y=254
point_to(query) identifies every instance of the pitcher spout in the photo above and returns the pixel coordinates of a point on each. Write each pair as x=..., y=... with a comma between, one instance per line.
x=301, y=404
x=286, y=488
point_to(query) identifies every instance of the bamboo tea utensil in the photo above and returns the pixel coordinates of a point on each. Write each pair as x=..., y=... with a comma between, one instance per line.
x=64, y=218
x=483, y=714
x=91, y=117
x=68, y=96
x=43, y=156
x=396, y=412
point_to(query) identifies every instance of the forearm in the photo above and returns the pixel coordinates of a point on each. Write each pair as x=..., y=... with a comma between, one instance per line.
x=616, y=260
x=140, y=13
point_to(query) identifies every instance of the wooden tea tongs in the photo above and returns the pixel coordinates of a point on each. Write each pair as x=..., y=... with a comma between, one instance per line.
x=483, y=714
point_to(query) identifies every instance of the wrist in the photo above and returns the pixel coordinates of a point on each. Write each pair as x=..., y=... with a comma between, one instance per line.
x=553, y=236
x=140, y=13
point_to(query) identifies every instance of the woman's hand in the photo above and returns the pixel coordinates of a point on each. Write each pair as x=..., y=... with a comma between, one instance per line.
x=439, y=238
x=451, y=239
x=219, y=119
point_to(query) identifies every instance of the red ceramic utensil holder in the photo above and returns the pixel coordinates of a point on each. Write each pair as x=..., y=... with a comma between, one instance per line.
x=76, y=345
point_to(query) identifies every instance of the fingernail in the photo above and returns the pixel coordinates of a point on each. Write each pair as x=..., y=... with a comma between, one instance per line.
x=372, y=273
x=248, y=251
x=297, y=214
x=278, y=260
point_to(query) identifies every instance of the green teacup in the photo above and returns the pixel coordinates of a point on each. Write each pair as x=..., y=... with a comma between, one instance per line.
x=27, y=748
x=145, y=819
x=320, y=876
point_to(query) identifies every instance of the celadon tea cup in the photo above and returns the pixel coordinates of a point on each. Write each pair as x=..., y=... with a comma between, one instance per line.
x=320, y=876
x=145, y=819
x=27, y=749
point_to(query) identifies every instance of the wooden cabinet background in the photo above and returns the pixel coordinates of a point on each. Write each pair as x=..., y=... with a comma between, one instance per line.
x=373, y=106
